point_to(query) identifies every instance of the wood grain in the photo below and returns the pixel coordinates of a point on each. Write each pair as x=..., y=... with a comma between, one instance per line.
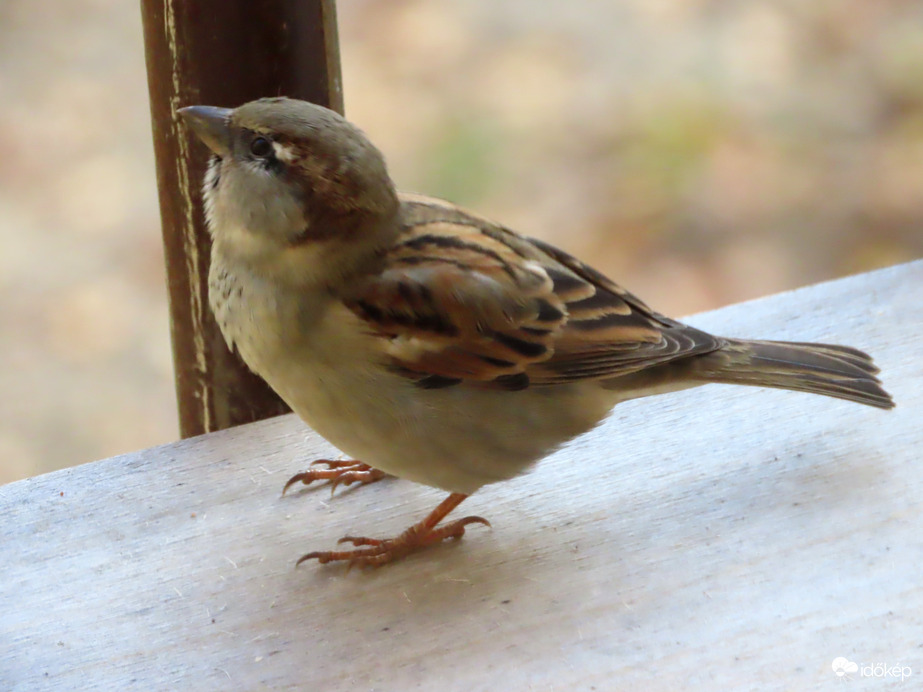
x=719, y=538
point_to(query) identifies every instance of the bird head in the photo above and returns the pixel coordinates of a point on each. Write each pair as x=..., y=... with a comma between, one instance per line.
x=293, y=187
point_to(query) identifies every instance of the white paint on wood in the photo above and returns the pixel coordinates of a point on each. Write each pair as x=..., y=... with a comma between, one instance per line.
x=718, y=538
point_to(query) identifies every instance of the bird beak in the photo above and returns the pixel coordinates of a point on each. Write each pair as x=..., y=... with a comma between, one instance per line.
x=211, y=125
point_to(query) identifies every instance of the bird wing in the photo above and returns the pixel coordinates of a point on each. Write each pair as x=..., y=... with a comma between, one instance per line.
x=461, y=299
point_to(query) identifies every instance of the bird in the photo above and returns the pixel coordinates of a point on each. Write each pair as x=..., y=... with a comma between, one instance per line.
x=426, y=341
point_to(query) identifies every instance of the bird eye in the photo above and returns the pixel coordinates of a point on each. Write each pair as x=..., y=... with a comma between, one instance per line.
x=261, y=147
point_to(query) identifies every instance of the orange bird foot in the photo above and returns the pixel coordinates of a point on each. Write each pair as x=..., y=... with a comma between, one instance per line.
x=344, y=472
x=381, y=551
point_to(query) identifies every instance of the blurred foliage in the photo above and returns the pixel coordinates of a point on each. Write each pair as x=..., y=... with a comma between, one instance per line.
x=465, y=161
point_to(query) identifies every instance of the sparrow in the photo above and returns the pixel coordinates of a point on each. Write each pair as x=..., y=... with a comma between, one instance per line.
x=427, y=341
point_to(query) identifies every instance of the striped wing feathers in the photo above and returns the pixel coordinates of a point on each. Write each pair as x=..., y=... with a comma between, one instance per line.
x=463, y=300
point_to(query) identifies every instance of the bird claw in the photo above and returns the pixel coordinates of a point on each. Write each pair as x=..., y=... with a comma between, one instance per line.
x=362, y=540
x=380, y=551
x=344, y=472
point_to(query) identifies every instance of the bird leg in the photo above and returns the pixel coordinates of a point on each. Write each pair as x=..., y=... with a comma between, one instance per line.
x=344, y=472
x=420, y=535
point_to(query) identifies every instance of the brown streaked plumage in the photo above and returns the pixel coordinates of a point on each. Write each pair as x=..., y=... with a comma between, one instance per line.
x=550, y=319
x=427, y=341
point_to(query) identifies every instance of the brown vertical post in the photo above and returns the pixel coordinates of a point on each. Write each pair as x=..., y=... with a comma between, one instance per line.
x=221, y=53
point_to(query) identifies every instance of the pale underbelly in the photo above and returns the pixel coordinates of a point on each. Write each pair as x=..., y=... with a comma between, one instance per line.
x=457, y=439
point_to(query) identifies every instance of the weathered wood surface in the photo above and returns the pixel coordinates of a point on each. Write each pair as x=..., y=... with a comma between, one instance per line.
x=719, y=538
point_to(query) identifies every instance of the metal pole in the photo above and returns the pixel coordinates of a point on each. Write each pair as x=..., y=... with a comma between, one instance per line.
x=221, y=53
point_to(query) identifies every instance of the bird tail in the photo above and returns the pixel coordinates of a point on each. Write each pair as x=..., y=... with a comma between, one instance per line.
x=837, y=371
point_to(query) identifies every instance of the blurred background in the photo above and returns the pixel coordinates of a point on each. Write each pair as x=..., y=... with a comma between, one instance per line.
x=700, y=152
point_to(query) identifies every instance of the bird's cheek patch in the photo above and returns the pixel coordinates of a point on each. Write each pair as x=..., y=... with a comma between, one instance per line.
x=284, y=152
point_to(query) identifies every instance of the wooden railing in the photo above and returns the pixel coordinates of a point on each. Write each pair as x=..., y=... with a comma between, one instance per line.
x=719, y=538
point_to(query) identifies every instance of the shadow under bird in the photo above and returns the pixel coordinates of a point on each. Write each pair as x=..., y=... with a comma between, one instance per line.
x=429, y=342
